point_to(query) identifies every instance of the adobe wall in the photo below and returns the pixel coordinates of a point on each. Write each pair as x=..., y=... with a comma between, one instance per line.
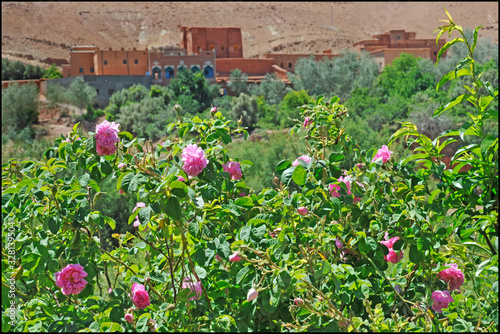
x=246, y=65
x=226, y=42
x=81, y=63
x=40, y=83
x=121, y=62
x=288, y=61
x=389, y=55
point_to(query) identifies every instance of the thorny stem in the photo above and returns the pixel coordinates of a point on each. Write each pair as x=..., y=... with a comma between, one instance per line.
x=171, y=270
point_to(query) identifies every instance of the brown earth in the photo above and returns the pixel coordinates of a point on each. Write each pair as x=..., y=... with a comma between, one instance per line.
x=42, y=33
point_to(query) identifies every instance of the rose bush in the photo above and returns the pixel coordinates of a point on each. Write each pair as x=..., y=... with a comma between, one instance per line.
x=210, y=254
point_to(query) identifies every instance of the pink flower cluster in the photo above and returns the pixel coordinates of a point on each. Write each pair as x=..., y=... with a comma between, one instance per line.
x=194, y=160
x=140, y=296
x=334, y=188
x=305, y=158
x=233, y=168
x=441, y=300
x=194, y=287
x=383, y=153
x=106, y=138
x=453, y=276
x=392, y=257
x=137, y=206
x=71, y=279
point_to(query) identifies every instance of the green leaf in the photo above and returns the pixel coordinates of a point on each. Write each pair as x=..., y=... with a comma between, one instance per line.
x=453, y=74
x=286, y=176
x=174, y=209
x=475, y=39
x=110, y=221
x=372, y=243
x=30, y=261
x=179, y=188
x=106, y=168
x=202, y=273
x=487, y=142
x=54, y=225
x=299, y=175
x=194, y=228
x=334, y=157
x=245, y=202
x=446, y=46
x=117, y=314
x=84, y=180
x=423, y=244
x=241, y=274
x=416, y=256
x=245, y=233
x=452, y=103
x=282, y=165
x=362, y=246
x=398, y=245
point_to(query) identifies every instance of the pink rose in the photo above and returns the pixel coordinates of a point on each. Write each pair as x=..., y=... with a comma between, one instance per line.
x=453, y=276
x=194, y=287
x=70, y=279
x=242, y=194
x=307, y=121
x=298, y=301
x=180, y=178
x=441, y=300
x=105, y=150
x=110, y=290
x=305, y=158
x=121, y=165
x=213, y=110
x=137, y=206
x=334, y=190
x=252, y=294
x=383, y=153
x=233, y=168
x=67, y=140
x=235, y=257
x=106, y=137
x=140, y=296
x=194, y=160
x=218, y=258
x=121, y=191
x=302, y=211
x=392, y=257
x=129, y=317
x=338, y=243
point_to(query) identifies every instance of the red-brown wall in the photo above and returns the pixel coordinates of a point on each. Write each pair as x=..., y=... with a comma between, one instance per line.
x=249, y=66
x=226, y=41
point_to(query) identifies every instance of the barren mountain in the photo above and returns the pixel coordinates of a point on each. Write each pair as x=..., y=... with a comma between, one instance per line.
x=43, y=32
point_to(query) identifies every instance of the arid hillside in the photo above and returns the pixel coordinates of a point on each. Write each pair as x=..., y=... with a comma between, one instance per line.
x=42, y=32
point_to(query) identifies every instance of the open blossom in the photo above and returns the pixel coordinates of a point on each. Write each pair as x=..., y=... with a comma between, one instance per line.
x=233, y=168
x=71, y=279
x=193, y=286
x=252, y=294
x=307, y=121
x=140, y=296
x=393, y=257
x=235, y=257
x=383, y=153
x=441, y=300
x=453, y=276
x=129, y=317
x=305, y=158
x=302, y=211
x=106, y=137
x=194, y=160
x=335, y=188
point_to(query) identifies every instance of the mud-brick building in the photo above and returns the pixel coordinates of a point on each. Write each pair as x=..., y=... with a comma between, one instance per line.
x=166, y=62
x=388, y=46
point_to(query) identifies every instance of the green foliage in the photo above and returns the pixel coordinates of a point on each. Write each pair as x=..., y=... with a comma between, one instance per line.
x=238, y=82
x=245, y=109
x=19, y=110
x=272, y=89
x=55, y=94
x=52, y=73
x=80, y=93
x=16, y=70
x=192, y=91
x=290, y=107
x=323, y=270
x=336, y=76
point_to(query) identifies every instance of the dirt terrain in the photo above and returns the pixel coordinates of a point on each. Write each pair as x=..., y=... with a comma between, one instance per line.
x=42, y=32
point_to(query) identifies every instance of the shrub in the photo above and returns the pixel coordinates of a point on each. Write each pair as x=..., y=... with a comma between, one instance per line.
x=19, y=108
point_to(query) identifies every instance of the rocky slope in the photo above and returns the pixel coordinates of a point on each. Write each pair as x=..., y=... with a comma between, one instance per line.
x=42, y=32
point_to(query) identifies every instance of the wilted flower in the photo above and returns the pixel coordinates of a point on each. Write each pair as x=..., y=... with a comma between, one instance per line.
x=233, y=168
x=453, y=276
